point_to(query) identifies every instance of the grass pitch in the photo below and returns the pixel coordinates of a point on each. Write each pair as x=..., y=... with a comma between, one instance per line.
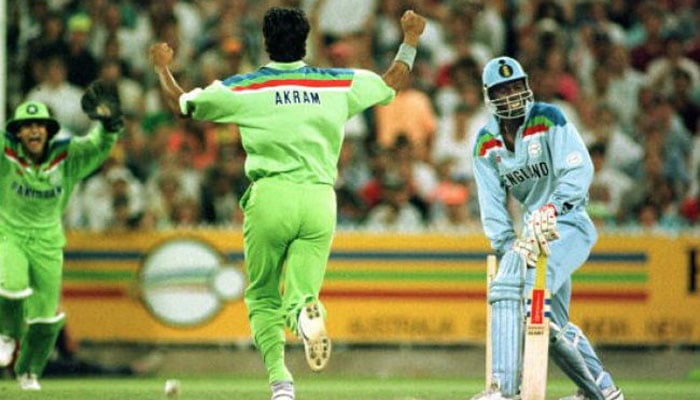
x=312, y=388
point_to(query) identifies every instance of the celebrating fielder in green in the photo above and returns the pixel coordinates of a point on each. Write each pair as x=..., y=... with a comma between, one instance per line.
x=37, y=175
x=291, y=118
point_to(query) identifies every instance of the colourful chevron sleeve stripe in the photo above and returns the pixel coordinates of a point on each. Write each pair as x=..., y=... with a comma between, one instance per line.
x=265, y=78
x=538, y=124
x=485, y=143
x=57, y=153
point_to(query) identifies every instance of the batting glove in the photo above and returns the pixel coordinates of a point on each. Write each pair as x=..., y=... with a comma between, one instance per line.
x=528, y=248
x=543, y=223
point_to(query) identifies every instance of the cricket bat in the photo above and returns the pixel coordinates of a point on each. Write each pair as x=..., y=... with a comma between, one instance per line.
x=491, y=265
x=536, y=354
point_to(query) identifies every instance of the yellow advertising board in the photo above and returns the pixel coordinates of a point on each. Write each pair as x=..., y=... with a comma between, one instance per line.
x=187, y=286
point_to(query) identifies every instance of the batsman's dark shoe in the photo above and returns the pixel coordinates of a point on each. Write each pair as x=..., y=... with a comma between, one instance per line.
x=312, y=330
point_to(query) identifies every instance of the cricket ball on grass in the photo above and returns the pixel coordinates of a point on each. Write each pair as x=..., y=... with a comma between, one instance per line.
x=172, y=387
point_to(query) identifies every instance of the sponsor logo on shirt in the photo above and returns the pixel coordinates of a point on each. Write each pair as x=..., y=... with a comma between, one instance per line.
x=26, y=191
x=520, y=175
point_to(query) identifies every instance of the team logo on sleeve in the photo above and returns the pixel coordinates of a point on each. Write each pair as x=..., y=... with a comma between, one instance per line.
x=574, y=159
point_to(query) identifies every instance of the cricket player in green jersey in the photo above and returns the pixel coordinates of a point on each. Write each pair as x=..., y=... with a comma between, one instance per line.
x=38, y=171
x=291, y=118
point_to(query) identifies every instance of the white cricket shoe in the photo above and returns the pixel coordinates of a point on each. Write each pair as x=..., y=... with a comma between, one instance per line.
x=312, y=330
x=7, y=350
x=611, y=393
x=493, y=393
x=282, y=391
x=28, y=381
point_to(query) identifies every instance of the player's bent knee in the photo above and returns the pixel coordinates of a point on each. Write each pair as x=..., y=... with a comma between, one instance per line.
x=509, y=282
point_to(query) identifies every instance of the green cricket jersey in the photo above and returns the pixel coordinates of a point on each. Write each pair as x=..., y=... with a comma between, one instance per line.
x=33, y=197
x=291, y=116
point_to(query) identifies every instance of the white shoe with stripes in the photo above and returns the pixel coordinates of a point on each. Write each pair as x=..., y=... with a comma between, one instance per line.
x=282, y=391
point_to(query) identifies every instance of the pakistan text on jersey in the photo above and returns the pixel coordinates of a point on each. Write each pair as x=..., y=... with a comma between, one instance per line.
x=285, y=97
x=37, y=194
x=518, y=176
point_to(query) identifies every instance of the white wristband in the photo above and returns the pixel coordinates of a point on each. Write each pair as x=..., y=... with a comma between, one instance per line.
x=406, y=54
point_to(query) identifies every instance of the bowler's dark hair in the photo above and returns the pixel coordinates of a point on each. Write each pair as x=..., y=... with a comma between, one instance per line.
x=285, y=31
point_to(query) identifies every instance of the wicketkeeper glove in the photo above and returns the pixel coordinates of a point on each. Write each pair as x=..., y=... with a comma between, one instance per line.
x=101, y=102
x=543, y=224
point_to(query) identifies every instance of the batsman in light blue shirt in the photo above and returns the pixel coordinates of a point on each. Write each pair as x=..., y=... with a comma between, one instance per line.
x=530, y=151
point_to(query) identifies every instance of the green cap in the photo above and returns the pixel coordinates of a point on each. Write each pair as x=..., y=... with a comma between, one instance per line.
x=32, y=111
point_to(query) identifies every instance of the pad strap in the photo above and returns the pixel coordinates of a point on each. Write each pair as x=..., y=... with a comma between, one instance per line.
x=571, y=357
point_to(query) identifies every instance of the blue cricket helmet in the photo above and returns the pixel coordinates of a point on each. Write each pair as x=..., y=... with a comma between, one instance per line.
x=499, y=71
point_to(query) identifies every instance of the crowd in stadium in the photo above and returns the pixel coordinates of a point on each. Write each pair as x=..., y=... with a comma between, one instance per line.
x=627, y=73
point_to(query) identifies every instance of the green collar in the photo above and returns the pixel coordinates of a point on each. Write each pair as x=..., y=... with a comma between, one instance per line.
x=286, y=66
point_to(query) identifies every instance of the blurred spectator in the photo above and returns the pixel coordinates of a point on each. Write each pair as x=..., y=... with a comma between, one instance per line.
x=379, y=161
x=224, y=59
x=621, y=153
x=688, y=108
x=353, y=173
x=340, y=18
x=48, y=42
x=386, y=31
x=60, y=95
x=627, y=71
x=668, y=136
x=419, y=175
x=489, y=28
x=459, y=34
x=544, y=86
x=624, y=83
x=351, y=210
x=652, y=45
x=411, y=113
x=455, y=136
x=452, y=81
x=219, y=200
x=186, y=213
x=130, y=92
x=164, y=191
x=113, y=198
x=198, y=144
x=690, y=207
x=608, y=188
x=449, y=209
x=596, y=13
x=33, y=23
x=555, y=66
x=395, y=212
x=81, y=65
x=660, y=70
